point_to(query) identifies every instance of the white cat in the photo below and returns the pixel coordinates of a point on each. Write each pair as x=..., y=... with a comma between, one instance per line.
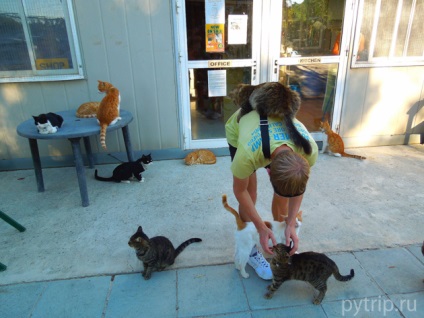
x=246, y=236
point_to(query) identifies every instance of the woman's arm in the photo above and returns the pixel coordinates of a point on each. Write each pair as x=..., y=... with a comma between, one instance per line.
x=294, y=206
x=248, y=212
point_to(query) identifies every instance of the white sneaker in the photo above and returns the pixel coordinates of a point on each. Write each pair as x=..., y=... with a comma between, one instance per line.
x=260, y=264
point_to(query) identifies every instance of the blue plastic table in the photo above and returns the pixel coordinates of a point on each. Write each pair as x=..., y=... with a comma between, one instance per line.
x=73, y=129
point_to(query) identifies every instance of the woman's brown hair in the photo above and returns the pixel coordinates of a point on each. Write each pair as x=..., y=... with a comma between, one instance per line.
x=289, y=174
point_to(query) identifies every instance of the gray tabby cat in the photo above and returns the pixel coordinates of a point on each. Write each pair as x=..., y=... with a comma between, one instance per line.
x=271, y=99
x=156, y=253
x=311, y=267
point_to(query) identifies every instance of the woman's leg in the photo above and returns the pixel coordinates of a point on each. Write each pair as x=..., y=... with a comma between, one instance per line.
x=279, y=208
x=252, y=189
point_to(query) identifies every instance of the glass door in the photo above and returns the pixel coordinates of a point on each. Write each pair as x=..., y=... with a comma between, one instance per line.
x=311, y=59
x=222, y=50
x=222, y=43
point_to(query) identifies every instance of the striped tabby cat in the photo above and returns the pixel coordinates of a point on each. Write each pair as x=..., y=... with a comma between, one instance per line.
x=156, y=253
x=311, y=267
x=247, y=236
x=272, y=99
x=108, y=112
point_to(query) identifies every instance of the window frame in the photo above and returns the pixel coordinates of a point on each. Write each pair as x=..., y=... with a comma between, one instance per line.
x=386, y=60
x=35, y=75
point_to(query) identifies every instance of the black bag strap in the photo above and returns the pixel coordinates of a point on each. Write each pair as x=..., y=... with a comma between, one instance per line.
x=263, y=124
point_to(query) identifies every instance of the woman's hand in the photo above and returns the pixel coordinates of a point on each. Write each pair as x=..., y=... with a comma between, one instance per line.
x=291, y=235
x=265, y=234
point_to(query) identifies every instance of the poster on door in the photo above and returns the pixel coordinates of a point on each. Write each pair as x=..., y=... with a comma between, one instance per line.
x=217, y=83
x=215, y=38
x=215, y=26
x=237, y=29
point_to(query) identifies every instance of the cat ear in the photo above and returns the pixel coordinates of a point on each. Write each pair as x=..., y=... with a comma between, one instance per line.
x=139, y=229
x=300, y=216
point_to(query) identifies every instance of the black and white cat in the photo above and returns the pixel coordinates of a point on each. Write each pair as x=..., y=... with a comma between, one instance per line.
x=147, y=159
x=48, y=123
x=126, y=170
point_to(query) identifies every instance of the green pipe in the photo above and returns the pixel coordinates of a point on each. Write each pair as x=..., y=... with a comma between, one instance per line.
x=12, y=222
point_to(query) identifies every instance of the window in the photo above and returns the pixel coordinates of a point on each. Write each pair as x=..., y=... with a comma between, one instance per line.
x=38, y=41
x=389, y=33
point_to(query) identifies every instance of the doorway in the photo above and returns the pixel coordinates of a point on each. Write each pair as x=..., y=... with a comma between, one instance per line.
x=227, y=42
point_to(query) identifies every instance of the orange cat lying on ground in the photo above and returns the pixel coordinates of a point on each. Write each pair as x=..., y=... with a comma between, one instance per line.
x=201, y=156
x=334, y=143
x=108, y=112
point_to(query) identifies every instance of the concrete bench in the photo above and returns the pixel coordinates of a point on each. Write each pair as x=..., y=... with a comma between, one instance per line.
x=73, y=129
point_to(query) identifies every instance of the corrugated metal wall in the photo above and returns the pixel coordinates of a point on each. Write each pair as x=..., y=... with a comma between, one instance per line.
x=127, y=42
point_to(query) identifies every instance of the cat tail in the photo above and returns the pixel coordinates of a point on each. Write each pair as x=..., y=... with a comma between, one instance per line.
x=296, y=136
x=103, y=128
x=344, y=154
x=97, y=177
x=240, y=223
x=86, y=116
x=183, y=245
x=245, y=108
x=343, y=278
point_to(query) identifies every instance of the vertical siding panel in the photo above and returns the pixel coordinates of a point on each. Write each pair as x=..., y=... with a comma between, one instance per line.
x=97, y=26
x=91, y=36
x=163, y=40
x=353, y=103
x=31, y=103
x=54, y=100
x=77, y=92
x=116, y=41
x=10, y=116
x=54, y=97
x=378, y=103
x=145, y=82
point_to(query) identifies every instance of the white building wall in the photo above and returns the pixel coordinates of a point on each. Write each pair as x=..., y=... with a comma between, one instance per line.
x=126, y=42
x=130, y=43
x=382, y=106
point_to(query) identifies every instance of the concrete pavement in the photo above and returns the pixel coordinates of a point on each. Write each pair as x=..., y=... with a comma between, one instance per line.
x=75, y=262
x=387, y=283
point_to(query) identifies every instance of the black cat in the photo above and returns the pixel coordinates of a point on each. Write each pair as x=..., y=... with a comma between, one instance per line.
x=126, y=170
x=48, y=123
